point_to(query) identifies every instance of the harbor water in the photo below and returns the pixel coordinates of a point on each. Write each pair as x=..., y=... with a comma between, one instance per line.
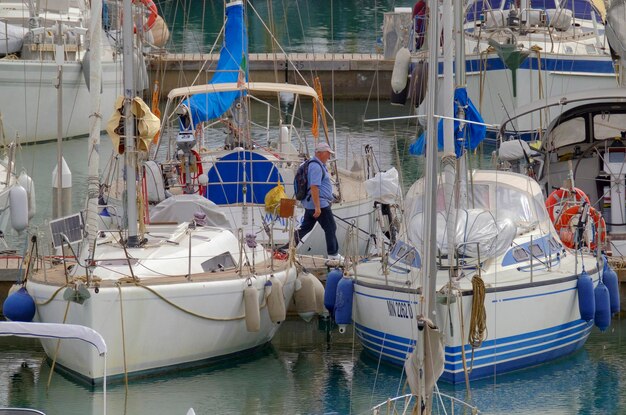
x=311, y=26
x=308, y=370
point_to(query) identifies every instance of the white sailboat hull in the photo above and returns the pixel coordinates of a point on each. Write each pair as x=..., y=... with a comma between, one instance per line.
x=500, y=308
x=492, y=91
x=145, y=332
x=507, y=68
x=31, y=111
x=521, y=333
x=176, y=300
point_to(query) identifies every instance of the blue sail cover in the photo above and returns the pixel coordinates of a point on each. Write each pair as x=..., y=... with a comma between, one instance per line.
x=241, y=176
x=204, y=107
x=467, y=137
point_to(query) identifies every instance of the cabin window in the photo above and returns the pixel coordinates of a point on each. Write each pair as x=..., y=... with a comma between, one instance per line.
x=554, y=245
x=536, y=250
x=520, y=254
x=570, y=132
x=417, y=201
x=219, y=263
x=409, y=258
x=480, y=197
x=540, y=207
x=608, y=125
x=514, y=204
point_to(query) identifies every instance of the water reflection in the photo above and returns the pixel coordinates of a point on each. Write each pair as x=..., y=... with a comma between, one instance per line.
x=308, y=369
x=22, y=386
x=300, y=26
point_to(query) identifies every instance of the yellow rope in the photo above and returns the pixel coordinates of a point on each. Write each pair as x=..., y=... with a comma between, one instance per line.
x=478, y=319
x=56, y=351
x=48, y=301
x=466, y=371
x=318, y=109
x=616, y=262
x=119, y=288
x=176, y=306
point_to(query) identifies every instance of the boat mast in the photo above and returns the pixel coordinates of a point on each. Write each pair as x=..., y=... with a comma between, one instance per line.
x=59, y=57
x=459, y=76
x=430, y=173
x=449, y=167
x=95, y=121
x=130, y=156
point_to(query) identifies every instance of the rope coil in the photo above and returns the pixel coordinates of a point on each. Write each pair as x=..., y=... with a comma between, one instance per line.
x=478, y=319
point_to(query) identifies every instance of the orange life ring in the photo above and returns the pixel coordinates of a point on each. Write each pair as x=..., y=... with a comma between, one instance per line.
x=152, y=17
x=560, y=198
x=196, y=171
x=565, y=227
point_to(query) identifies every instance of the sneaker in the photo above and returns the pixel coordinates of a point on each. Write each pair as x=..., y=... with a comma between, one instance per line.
x=336, y=257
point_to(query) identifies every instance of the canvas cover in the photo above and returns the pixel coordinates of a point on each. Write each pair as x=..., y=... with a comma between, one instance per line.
x=185, y=208
x=230, y=68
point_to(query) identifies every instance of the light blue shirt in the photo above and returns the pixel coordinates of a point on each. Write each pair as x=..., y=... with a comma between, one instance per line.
x=322, y=181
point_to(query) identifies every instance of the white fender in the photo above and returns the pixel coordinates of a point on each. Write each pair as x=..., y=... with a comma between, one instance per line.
x=283, y=135
x=276, y=301
x=304, y=297
x=160, y=32
x=27, y=183
x=18, y=204
x=320, y=309
x=154, y=182
x=251, y=305
x=400, y=73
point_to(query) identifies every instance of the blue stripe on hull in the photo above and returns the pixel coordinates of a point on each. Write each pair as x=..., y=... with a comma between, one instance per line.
x=493, y=357
x=591, y=66
x=598, y=66
x=516, y=364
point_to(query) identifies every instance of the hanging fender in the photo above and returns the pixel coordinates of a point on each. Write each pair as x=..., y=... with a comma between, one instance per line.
x=557, y=200
x=569, y=219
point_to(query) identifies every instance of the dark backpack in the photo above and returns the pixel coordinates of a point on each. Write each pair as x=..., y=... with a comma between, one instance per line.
x=301, y=180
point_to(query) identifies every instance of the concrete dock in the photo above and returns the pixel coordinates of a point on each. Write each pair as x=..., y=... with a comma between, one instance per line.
x=342, y=75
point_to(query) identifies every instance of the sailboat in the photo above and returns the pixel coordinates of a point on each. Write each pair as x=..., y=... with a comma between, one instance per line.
x=481, y=263
x=579, y=157
x=235, y=142
x=517, y=53
x=166, y=296
x=46, y=49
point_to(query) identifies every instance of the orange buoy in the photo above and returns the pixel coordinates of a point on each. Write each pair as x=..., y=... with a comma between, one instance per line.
x=569, y=219
x=561, y=198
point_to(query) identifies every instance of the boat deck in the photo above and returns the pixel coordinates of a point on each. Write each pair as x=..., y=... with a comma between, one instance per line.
x=55, y=274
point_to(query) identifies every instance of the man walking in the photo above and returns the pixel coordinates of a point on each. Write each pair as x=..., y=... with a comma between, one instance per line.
x=317, y=202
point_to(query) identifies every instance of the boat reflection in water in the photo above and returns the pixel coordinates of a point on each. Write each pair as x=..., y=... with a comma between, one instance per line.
x=303, y=372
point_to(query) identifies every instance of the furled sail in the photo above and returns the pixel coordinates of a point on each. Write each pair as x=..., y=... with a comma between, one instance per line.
x=231, y=67
x=616, y=29
x=147, y=125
